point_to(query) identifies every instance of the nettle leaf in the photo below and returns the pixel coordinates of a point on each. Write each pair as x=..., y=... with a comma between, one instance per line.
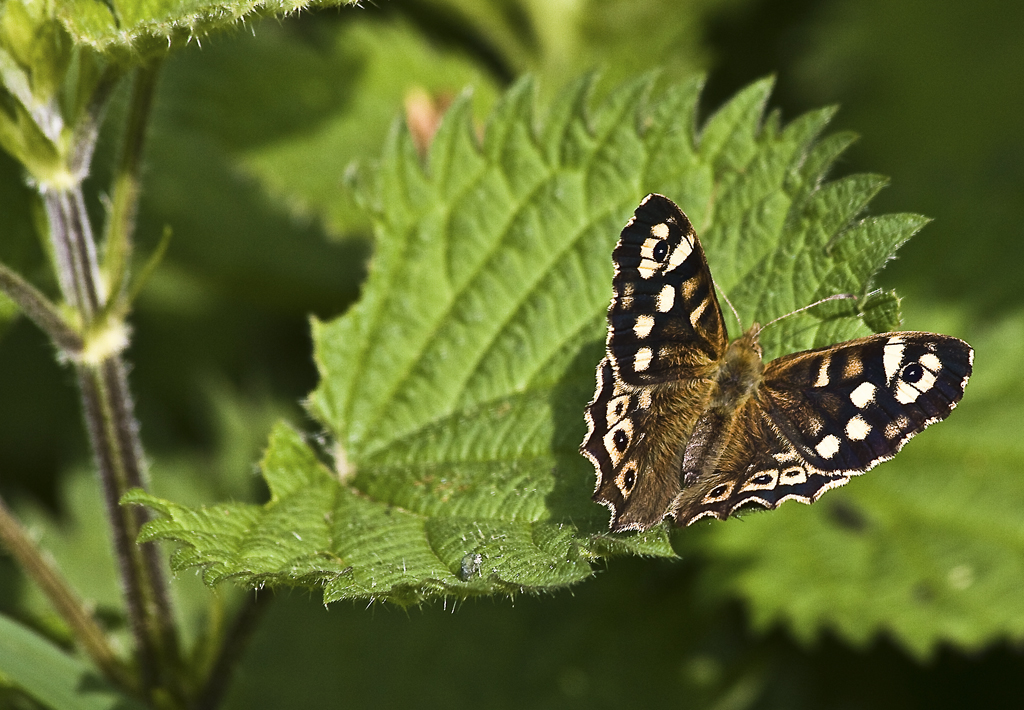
x=119, y=25
x=453, y=392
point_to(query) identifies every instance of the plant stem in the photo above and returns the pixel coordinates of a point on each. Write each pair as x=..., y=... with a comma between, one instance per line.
x=231, y=649
x=40, y=310
x=125, y=200
x=41, y=569
x=102, y=377
x=74, y=251
x=124, y=522
x=113, y=434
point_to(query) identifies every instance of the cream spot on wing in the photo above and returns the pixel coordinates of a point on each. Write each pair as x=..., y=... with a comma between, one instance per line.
x=647, y=248
x=863, y=395
x=642, y=360
x=680, y=253
x=828, y=447
x=626, y=479
x=930, y=361
x=666, y=299
x=645, y=399
x=617, y=441
x=719, y=492
x=617, y=408
x=857, y=429
x=626, y=299
x=642, y=326
x=895, y=428
x=647, y=268
x=814, y=424
x=892, y=357
x=926, y=382
x=822, y=380
x=659, y=231
x=689, y=288
x=762, y=480
x=697, y=312
x=906, y=394
x=854, y=366
x=794, y=475
x=785, y=456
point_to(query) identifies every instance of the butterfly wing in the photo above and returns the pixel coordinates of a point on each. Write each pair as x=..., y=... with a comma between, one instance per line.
x=821, y=416
x=665, y=334
x=664, y=322
x=759, y=467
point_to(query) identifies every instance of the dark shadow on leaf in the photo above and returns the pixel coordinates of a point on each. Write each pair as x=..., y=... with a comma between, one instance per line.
x=574, y=476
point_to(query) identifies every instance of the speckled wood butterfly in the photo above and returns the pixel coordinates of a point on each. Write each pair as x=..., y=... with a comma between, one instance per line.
x=687, y=425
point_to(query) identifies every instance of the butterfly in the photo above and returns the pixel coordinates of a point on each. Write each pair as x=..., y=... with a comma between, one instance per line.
x=685, y=424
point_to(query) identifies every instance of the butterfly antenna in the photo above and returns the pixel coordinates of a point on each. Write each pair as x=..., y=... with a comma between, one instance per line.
x=731, y=307
x=836, y=297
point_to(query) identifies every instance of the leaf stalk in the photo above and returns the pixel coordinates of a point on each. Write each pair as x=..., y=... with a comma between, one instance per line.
x=44, y=572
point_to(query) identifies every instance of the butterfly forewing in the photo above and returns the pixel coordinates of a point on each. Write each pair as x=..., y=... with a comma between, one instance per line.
x=664, y=322
x=850, y=406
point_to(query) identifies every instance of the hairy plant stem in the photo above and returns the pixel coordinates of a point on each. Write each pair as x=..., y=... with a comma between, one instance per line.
x=114, y=439
x=113, y=435
x=42, y=570
x=40, y=310
x=127, y=183
x=108, y=408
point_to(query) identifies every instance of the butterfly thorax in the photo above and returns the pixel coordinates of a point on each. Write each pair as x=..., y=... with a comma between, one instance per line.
x=739, y=372
x=736, y=380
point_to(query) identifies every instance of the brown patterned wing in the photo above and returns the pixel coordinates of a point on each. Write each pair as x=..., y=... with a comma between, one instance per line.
x=665, y=335
x=635, y=440
x=851, y=406
x=822, y=416
x=759, y=468
x=664, y=322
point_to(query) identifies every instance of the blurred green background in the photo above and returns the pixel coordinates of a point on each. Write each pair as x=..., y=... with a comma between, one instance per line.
x=253, y=140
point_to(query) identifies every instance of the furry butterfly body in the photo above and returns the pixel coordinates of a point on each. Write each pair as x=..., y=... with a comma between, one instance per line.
x=686, y=424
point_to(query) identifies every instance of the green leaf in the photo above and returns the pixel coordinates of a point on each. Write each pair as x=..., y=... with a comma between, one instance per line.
x=929, y=548
x=51, y=676
x=454, y=390
x=129, y=26
x=378, y=64
x=560, y=40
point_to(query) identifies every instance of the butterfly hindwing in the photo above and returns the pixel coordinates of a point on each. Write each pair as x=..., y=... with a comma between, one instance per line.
x=633, y=441
x=664, y=322
x=760, y=468
x=822, y=416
